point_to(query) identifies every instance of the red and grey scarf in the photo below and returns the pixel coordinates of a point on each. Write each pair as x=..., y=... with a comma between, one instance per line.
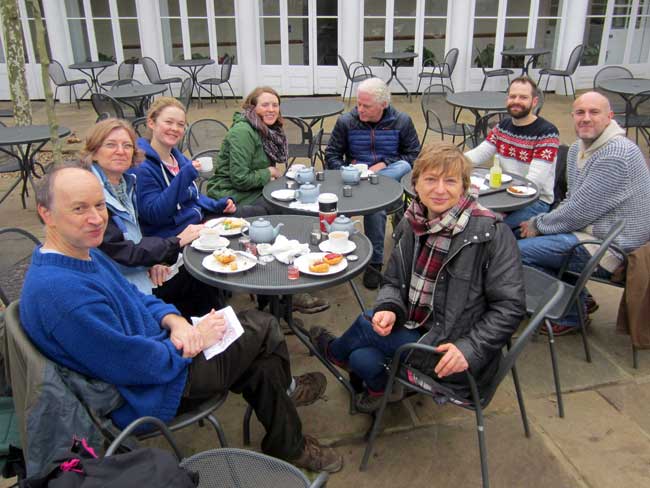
x=439, y=231
x=274, y=141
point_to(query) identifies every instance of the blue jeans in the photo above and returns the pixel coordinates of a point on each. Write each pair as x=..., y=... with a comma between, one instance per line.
x=366, y=352
x=375, y=224
x=513, y=219
x=547, y=253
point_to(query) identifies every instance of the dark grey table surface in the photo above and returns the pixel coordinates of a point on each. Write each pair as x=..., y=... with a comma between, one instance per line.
x=525, y=51
x=626, y=86
x=478, y=100
x=187, y=63
x=395, y=56
x=271, y=279
x=366, y=198
x=136, y=91
x=311, y=108
x=10, y=136
x=500, y=201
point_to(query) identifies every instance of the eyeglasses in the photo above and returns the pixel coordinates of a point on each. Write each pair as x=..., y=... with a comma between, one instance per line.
x=112, y=146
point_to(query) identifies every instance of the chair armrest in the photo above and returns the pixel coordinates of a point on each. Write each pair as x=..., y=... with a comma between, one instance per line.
x=320, y=481
x=427, y=119
x=569, y=255
x=159, y=424
x=366, y=69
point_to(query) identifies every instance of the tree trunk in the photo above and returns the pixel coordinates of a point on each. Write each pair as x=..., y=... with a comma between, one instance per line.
x=57, y=154
x=13, y=32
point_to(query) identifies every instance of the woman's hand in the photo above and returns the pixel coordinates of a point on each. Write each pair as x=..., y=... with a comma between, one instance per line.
x=275, y=172
x=212, y=328
x=230, y=207
x=158, y=274
x=197, y=165
x=382, y=322
x=451, y=362
x=189, y=233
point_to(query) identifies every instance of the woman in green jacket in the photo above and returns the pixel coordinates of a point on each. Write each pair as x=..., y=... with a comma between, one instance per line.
x=254, y=145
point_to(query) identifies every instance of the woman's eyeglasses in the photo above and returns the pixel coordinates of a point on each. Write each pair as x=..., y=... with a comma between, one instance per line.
x=112, y=146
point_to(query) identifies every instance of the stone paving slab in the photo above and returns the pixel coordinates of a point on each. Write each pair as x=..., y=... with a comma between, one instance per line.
x=631, y=400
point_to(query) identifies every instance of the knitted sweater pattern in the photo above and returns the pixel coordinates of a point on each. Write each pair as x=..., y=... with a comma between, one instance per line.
x=84, y=315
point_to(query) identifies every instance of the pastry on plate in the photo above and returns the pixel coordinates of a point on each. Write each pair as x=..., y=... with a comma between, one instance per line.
x=319, y=267
x=232, y=224
x=333, y=258
x=224, y=256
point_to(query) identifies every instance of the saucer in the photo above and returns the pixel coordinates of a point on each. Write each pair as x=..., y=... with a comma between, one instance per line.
x=326, y=247
x=284, y=195
x=199, y=246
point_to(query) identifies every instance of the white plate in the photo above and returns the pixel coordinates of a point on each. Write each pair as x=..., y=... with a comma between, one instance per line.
x=218, y=224
x=199, y=246
x=526, y=191
x=284, y=195
x=305, y=260
x=244, y=262
x=504, y=178
x=326, y=247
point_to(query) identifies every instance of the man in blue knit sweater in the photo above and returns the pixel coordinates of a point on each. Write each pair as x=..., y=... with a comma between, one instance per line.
x=83, y=314
x=608, y=180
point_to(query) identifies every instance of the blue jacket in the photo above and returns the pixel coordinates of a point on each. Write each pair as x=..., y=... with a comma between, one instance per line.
x=391, y=139
x=167, y=203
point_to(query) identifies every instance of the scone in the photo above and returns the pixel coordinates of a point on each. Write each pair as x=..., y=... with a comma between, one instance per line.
x=224, y=256
x=333, y=258
x=319, y=267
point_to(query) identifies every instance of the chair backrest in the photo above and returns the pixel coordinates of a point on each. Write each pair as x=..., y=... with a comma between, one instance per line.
x=540, y=102
x=314, y=147
x=125, y=71
x=140, y=126
x=611, y=73
x=226, y=67
x=185, y=96
x=205, y=134
x=560, y=185
x=150, y=69
x=103, y=103
x=449, y=64
x=484, y=124
x=102, y=116
x=640, y=104
x=297, y=130
x=478, y=60
x=344, y=65
x=16, y=246
x=56, y=72
x=574, y=59
x=434, y=99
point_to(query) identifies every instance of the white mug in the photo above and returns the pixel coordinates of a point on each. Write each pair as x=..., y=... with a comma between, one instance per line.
x=209, y=236
x=338, y=240
x=206, y=163
x=362, y=167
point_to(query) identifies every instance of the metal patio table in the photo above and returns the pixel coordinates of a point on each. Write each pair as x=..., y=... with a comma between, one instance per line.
x=92, y=69
x=366, y=198
x=271, y=279
x=393, y=61
x=23, y=143
x=478, y=101
x=496, y=199
x=532, y=53
x=137, y=96
x=312, y=110
x=627, y=88
x=193, y=67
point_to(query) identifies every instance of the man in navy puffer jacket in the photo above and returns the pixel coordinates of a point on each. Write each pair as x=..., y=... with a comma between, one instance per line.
x=376, y=134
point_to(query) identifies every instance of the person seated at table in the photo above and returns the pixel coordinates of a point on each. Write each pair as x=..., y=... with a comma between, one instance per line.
x=454, y=280
x=376, y=134
x=168, y=198
x=608, y=180
x=110, y=151
x=81, y=313
x=526, y=145
x=252, y=150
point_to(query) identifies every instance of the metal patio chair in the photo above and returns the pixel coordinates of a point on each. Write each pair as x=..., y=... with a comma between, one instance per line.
x=443, y=70
x=355, y=72
x=59, y=78
x=125, y=71
x=616, y=102
x=572, y=65
x=440, y=116
x=224, y=79
x=204, y=135
x=153, y=74
x=16, y=247
x=492, y=73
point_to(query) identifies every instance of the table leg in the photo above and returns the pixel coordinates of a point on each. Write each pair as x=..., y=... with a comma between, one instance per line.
x=393, y=74
x=357, y=295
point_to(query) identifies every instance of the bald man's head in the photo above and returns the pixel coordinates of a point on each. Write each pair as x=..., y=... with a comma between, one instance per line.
x=591, y=114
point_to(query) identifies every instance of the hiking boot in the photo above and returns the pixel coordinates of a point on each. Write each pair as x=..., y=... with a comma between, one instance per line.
x=316, y=457
x=320, y=337
x=372, y=277
x=560, y=330
x=591, y=304
x=306, y=303
x=309, y=388
x=369, y=401
x=285, y=327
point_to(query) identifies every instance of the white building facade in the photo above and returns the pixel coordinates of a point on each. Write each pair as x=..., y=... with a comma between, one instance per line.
x=292, y=45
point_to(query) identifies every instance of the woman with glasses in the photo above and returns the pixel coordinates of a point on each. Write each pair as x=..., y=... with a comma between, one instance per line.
x=111, y=151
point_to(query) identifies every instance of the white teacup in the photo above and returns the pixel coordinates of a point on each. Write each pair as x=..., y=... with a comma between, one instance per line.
x=206, y=163
x=296, y=167
x=338, y=240
x=209, y=237
x=363, y=168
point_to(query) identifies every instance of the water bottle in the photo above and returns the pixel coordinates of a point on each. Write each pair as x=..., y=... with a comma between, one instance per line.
x=495, y=174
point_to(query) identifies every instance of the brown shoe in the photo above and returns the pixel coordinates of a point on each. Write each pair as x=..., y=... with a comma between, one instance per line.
x=306, y=303
x=316, y=457
x=309, y=388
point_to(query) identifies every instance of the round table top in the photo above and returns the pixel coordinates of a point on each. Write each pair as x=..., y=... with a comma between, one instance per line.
x=271, y=279
x=395, y=55
x=625, y=86
x=91, y=64
x=182, y=63
x=27, y=134
x=500, y=201
x=525, y=51
x=366, y=198
x=136, y=91
x=478, y=100
x=310, y=108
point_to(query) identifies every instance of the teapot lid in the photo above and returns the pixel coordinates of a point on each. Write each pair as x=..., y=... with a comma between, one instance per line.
x=342, y=218
x=260, y=222
x=350, y=168
x=302, y=170
x=307, y=186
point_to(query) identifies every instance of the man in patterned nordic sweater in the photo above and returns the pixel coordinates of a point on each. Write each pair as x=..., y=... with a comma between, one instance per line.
x=608, y=180
x=526, y=145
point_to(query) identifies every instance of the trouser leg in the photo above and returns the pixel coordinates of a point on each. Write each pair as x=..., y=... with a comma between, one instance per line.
x=189, y=295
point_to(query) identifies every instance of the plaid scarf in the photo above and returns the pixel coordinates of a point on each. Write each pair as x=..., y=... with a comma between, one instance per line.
x=439, y=231
x=274, y=142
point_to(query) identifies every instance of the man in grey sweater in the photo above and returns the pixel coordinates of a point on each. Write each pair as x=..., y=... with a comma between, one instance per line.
x=608, y=180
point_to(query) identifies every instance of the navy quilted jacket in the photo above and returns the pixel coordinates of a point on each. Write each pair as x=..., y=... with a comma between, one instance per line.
x=391, y=139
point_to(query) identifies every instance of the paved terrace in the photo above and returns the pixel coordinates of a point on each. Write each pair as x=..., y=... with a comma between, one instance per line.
x=604, y=441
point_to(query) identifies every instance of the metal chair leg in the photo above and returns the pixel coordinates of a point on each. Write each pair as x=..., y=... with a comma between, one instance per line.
x=556, y=372
x=520, y=401
x=483, y=84
x=217, y=427
x=573, y=88
x=480, y=430
x=583, y=332
x=376, y=425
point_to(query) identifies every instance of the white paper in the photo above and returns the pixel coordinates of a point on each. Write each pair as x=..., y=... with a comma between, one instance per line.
x=173, y=269
x=234, y=329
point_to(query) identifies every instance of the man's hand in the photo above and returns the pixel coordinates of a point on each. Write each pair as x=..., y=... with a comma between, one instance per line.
x=378, y=167
x=212, y=328
x=158, y=274
x=451, y=362
x=382, y=322
x=526, y=229
x=183, y=335
x=189, y=233
x=230, y=207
